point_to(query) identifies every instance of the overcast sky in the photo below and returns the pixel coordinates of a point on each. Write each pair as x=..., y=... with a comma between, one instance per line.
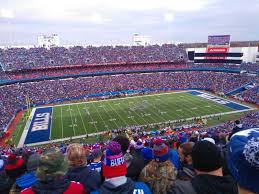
x=115, y=21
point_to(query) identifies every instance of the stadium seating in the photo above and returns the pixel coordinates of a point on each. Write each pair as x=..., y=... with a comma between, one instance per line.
x=14, y=96
x=21, y=58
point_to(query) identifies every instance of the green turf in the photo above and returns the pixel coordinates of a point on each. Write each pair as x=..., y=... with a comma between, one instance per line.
x=16, y=135
x=79, y=119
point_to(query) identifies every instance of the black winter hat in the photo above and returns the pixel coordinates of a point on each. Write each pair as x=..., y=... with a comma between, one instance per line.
x=206, y=156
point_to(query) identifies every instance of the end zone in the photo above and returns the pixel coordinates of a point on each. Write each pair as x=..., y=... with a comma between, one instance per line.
x=225, y=102
x=38, y=127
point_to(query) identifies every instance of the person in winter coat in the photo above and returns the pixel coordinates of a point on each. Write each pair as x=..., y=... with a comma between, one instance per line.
x=78, y=171
x=160, y=173
x=238, y=127
x=135, y=162
x=96, y=164
x=29, y=178
x=207, y=163
x=243, y=160
x=14, y=168
x=114, y=170
x=186, y=171
x=51, y=176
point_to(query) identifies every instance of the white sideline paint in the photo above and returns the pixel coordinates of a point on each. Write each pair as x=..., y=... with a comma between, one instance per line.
x=21, y=142
x=26, y=129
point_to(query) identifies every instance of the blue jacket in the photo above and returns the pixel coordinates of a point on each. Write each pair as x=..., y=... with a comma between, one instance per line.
x=130, y=187
x=174, y=158
x=26, y=180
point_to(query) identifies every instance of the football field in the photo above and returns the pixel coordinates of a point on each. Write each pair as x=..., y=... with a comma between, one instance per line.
x=86, y=118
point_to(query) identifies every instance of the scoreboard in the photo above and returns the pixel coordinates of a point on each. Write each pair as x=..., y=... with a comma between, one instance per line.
x=217, y=51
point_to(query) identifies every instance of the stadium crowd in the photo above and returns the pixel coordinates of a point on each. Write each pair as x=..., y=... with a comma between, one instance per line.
x=13, y=96
x=200, y=161
x=250, y=67
x=83, y=69
x=22, y=58
x=250, y=95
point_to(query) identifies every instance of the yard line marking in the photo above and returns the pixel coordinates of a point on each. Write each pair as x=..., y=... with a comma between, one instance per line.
x=167, y=113
x=105, y=124
x=88, y=112
x=72, y=120
x=137, y=113
x=126, y=113
x=82, y=119
x=153, y=107
x=117, y=113
x=110, y=117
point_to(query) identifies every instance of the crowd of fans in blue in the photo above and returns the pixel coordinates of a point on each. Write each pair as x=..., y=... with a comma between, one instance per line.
x=203, y=161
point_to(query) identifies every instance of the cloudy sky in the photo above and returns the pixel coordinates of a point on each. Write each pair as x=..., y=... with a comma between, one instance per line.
x=115, y=21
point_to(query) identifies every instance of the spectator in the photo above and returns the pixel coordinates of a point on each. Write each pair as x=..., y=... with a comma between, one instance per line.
x=114, y=171
x=134, y=164
x=160, y=173
x=28, y=179
x=96, y=164
x=147, y=154
x=186, y=171
x=78, y=171
x=51, y=176
x=243, y=160
x=207, y=162
x=174, y=157
x=15, y=167
x=5, y=183
x=238, y=127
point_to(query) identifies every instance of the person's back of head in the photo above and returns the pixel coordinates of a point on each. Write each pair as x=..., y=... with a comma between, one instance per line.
x=52, y=166
x=76, y=155
x=51, y=175
x=124, y=142
x=97, y=155
x=185, y=150
x=160, y=173
x=243, y=160
x=206, y=158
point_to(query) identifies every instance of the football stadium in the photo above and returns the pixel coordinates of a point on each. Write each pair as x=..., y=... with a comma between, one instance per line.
x=90, y=106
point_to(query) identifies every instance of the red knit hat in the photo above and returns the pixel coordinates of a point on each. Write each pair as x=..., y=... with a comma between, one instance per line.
x=13, y=162
x=161, y=151
x=114, y=164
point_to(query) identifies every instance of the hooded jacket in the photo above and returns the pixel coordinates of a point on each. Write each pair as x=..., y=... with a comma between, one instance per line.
x=23, y=182
x=237, y=128
x=205, y=184
x=136, y=166
x=90, y=179
x=5, y=183
x=62, y=186
x=129, y=187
